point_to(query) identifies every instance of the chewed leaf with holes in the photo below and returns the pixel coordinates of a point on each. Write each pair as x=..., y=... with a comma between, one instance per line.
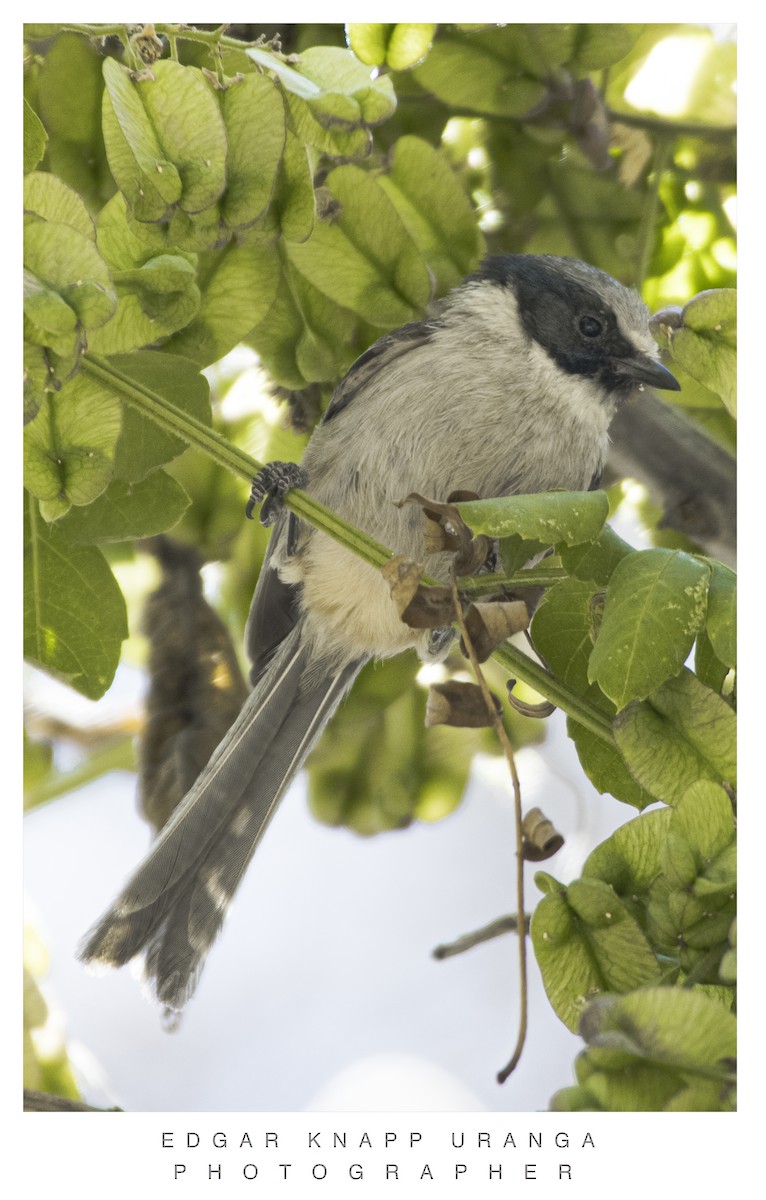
x=655, y=606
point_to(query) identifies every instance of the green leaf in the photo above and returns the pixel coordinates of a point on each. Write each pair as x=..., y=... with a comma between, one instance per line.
x=189, y=126
x=254, y=116
x=655, y=605
x=238, y=288
x=67, y=262
x=435, y=210
x=599, y=46
x=365, y=260
x=144, y=445
x=47, y=312
x=561, y=632
x=595, y=560
x=541, y=49
x=347, y=93
x=74, y=613
x=35, y=138
x=586, y=942
x=673, y=1027
x=158, y=292
x=43, y=370
x=128, y=510
x=516, y=552
x=46, y=196
x=377, y=766
x=606, y=768
x=400, y=46
x=304, y=338
x=631, y=859
x=292, y=80
x=69, y=446
x=704, y=1095
x=703, y=817
x=480, y=72
x=547, y=517
x=334, y=139
x=707, y=666
x=292, y=209
x=150, y=183
x=721, y=625
x=683, y=733
x=70, y=90
x=706, y=344
x=332, y=98
x=624, y=1086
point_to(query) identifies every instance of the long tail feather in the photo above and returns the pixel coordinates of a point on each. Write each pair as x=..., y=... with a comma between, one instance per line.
x=174, y=905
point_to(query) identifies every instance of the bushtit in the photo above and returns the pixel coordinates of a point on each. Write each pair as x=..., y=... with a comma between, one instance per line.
x=509, y=388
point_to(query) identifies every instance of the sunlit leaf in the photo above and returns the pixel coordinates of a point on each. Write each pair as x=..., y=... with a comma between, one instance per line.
x=74, y=613
x=35, y=138
x=400, y=46
x=706, y=343
x=434, y=208
x=683, y=733
x=254, y=116
x=128, y=510
x=586, y=942
x=144, y=445
x=481, y=73
x=69, y=447
x=190, y=129
x=721, y=622
x=150, y=183
x=237, y=290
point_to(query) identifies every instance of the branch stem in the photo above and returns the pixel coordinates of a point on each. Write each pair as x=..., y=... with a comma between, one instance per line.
x=467, y=941
x=505, y=742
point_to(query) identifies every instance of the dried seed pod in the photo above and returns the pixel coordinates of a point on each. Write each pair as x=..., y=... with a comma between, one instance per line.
x=403, y=578
x=540, y=840
x=419, y=605
x=489, y=623
x=541, y=710
x=445, y=530
x=460, y=704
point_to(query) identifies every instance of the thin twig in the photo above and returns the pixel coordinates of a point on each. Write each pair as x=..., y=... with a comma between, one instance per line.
x=496, y=928
x=497, y=721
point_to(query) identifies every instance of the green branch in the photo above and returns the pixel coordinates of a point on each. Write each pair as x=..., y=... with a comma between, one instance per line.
x=195, y=433
x=173, y=32
x=673, y=129
x=646, y=233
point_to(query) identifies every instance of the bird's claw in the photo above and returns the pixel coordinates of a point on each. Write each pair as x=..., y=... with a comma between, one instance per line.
x=270, y=487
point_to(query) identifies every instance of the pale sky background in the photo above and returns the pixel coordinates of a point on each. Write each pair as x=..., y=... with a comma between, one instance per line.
x=321, y=992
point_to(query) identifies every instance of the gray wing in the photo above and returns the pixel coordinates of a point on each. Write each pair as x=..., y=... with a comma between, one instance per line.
x=377, y=358
x=275, y=607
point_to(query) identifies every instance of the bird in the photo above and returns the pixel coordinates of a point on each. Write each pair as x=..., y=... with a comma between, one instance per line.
x=507, y=387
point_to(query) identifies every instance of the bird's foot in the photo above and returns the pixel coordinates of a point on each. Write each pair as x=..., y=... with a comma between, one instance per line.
x=270, y=487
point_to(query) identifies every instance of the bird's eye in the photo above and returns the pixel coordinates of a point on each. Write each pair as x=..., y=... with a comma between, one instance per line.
x=590, y=327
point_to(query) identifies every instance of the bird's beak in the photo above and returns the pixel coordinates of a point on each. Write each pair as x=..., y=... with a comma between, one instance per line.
x=642, y=369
